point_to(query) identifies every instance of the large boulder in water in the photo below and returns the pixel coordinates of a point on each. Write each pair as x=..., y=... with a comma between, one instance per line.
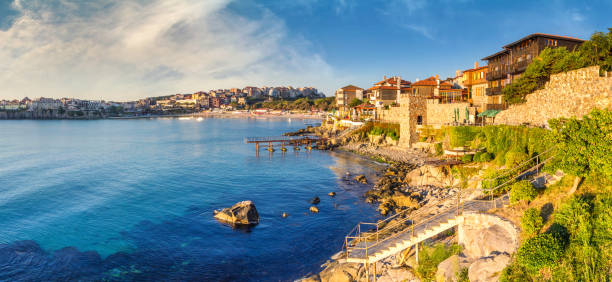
x=243, y=213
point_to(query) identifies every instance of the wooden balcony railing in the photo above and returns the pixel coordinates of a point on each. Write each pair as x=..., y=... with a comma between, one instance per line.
x=520, y=66
x=494, y=91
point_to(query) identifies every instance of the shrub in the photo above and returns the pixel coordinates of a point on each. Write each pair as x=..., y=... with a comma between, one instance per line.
x=500, y=159
x=531, y=222
x=466, y=158
x=460, y=135
x=462, y=275
x=585, y=144
x=430, y=257
x=541, y=251
x=485, y=157
x=439, y=149
x=522, y=190
x=493, y=178
x=476, y=157
x=514, y=272
x=515, y=158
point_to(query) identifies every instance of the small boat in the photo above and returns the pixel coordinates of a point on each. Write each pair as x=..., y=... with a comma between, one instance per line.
x=200, y=119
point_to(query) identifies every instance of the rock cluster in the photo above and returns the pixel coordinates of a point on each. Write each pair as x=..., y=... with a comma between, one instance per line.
x=394, y=190
x=242, y=213
x=488, y=242
x=361, y=179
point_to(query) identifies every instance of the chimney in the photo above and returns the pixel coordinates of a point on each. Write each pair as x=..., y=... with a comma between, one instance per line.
x=385, y=77
x=437, y=77
x=476, y=64
x=399, y=79
x=457, y=73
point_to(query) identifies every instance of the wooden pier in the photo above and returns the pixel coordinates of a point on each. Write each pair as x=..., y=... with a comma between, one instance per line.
x=284, y=142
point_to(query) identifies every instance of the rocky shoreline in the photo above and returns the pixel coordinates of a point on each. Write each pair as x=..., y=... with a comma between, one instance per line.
x=414, y=182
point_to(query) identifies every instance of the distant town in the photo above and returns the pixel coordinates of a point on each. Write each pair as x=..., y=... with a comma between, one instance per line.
x=214, y=100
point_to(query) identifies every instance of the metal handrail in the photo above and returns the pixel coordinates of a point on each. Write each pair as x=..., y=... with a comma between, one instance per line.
x=429, y=220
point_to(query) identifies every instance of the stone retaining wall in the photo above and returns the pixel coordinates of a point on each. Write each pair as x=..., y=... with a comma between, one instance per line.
x=570, y=94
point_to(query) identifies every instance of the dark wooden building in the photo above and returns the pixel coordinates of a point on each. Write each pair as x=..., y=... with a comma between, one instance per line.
x=509, y=64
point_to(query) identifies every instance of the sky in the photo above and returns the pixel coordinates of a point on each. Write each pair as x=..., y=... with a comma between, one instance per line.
x=130, y=49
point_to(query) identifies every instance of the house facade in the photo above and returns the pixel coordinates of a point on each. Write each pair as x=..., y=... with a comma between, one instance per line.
x=475, y=81
x=346, y=94
x=387, y=92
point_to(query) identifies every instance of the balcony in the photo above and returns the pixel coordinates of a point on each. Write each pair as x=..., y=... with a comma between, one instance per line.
x=494, y=75
x=494, y=91
x=520, y=66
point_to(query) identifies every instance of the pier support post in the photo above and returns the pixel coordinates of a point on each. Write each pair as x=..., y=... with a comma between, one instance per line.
x=417, y=253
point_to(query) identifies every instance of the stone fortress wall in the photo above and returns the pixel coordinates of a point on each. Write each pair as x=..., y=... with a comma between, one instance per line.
x=441, y=114
x=570, y=94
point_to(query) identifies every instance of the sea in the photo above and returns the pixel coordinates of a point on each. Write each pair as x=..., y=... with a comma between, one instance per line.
x=133, y=200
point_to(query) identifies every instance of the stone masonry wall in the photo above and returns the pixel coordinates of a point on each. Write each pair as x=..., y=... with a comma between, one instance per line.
x=438, y=114
x=393, y=114
x=570, y=94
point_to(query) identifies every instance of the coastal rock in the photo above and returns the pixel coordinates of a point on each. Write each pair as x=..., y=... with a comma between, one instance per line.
x=315, y=200
x=448, y=269
x=361, y=179
x=433, y=175
x=243, y=213
x=479, y=241
x=397, y=275
x=314, y=209
x=340, y=272
x=488, y=269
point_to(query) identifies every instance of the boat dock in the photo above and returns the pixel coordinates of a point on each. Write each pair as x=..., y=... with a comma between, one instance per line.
x=284, y=142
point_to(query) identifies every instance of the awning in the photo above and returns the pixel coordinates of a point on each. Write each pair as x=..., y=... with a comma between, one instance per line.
x=489, y=113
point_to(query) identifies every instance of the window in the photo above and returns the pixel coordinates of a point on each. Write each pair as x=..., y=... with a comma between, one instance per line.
x=419, y=120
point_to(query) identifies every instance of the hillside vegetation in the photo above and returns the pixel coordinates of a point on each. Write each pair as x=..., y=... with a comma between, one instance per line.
x=567, y=231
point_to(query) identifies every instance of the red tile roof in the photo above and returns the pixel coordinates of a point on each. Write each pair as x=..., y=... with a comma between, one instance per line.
x=392, y=80
x=431, y=81
x=351, y=87
x=389, y=87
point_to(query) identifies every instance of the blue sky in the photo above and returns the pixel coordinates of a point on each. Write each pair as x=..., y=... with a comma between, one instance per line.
x=125, y=50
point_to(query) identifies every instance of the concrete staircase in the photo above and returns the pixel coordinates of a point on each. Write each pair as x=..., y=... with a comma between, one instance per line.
x=373, y=251
x=393, y=235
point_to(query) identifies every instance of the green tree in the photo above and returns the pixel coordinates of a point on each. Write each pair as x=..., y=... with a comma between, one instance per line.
x=531, y=221
x=540, y=251
x=522, y=190
x=355, y=102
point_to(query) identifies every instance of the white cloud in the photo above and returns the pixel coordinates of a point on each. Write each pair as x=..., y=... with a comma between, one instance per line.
x=131, y=49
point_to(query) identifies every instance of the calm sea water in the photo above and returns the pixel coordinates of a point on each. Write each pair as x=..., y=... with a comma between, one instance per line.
x=134, y=200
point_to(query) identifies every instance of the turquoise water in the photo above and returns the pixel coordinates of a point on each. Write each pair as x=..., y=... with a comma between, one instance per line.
x=134, y=199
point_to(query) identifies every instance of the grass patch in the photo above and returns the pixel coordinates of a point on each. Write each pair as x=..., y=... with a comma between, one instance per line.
x=431, y=256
